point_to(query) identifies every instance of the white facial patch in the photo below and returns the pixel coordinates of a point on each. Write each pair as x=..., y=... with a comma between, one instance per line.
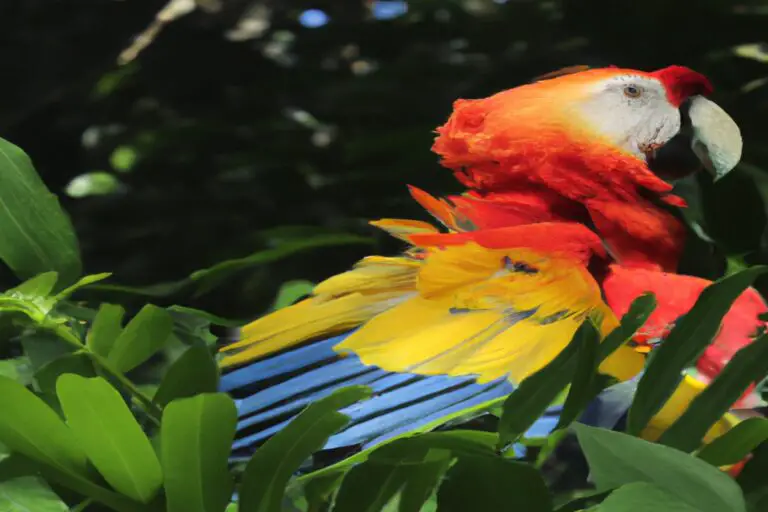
x=631, y=111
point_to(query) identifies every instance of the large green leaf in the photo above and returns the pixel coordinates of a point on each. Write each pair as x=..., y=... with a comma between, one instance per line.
x=110, y=435
x=411, y=466
x=35, y=233
x=270, y=468
x=585, y=385
x=105, y=329
x=196, y=438
x=144, y=335
x=492, y=483
x=369, y=486
x=643, y=497
x=737, y=443
x=684, y=344
x=29, y=494
x=616, y=459
x=30, y=427
x=635, y=317
x=193, y=372
x=748, y=365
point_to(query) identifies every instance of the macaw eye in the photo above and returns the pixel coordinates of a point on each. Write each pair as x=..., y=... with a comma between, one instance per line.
x=632, y=91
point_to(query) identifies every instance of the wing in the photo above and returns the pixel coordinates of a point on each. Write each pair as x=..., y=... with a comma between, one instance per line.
x=451, y=326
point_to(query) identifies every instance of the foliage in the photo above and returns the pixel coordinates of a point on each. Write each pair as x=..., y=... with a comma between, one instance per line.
x=80, y=431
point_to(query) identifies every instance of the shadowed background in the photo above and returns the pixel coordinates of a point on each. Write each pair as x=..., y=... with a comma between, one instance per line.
x=182, y=134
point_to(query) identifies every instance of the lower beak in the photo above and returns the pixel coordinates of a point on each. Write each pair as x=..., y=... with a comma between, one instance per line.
x=716, y=138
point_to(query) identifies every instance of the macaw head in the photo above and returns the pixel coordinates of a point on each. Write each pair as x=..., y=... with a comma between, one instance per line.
x=594, y=122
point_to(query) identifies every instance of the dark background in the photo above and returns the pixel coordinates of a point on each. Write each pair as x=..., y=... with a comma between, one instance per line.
x=238, y=129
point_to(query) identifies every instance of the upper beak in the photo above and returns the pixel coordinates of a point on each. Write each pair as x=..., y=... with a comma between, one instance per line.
x=716, y=139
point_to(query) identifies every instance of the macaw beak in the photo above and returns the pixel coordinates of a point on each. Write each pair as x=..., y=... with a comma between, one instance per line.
x=716, y=138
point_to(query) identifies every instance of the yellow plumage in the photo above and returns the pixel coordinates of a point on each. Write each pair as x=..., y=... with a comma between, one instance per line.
x=459, y=310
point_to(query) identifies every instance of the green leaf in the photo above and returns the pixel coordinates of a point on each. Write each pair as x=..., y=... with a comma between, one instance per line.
x=737, y=443
x=684, y=344
x=196, y=439
x=616, y=459
x=209, y=318
x=192, y=373
x=748, y=365
x=35, y=233
x=537, y=392
x=18, y=369
x=144, y=335
x=369, y=486
x=110, y=435
x=273, y=464
x=209, y=278
x=492, y=483
x=39, y=286
x=107, y=326
x=42, y=347
x=584, y=387
x=752, y=476
x=36, y=431
x=82, y=283
x=85, y=487
x=635, y=317
x=29, y=494
x=643, y=497
x=292, y=291
x=48, y=374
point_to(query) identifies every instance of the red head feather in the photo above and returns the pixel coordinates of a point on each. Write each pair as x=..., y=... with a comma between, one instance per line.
x=532, y=138
x=682, y=83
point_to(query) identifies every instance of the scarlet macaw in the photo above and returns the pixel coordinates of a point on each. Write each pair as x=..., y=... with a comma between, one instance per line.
x=563, y=218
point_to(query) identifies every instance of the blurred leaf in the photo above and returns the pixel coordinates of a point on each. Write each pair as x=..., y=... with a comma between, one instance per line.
x=39, y=286
x=35, y=234
x=537, y=392
x=110, y=435
x=29, y=494
x=492, y=483
x=17, y=369
x=42, y=347
x=737, y=443
x=192, y=373
x=144, y=335
x=97, y=183
x=106, y=328
x=616, y=459
x=207, y=279
x=643, y=497
x=748, y=365
x=684, y=344
x=82, y=283
x=47, y=375
x=196, y=435
x=85, y=487
x=123, y=158
x=291, y=292
x=752, y=478
x=204, y=315
x=270, y=468
x=36, y=431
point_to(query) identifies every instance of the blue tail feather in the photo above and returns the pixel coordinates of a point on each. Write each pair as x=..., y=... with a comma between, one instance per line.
x=270, y=392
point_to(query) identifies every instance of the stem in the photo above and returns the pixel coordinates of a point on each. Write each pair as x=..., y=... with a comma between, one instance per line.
x=80, y=507
x=153, y=411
